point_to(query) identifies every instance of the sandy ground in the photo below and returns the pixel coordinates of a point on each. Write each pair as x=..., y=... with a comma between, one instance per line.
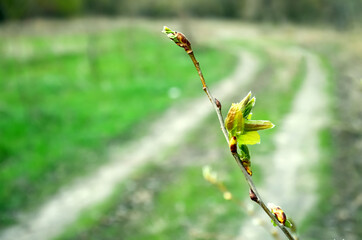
x=64, y=208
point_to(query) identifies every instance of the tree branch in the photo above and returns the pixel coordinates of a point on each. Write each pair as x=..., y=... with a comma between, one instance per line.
x=182, y=41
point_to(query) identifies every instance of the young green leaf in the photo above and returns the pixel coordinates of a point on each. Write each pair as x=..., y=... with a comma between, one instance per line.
x=239, y=124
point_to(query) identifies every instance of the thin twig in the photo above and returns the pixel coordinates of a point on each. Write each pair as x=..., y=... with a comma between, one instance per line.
x=235, y=155
x=183, y=42
x=222, y=188
x=209, y=95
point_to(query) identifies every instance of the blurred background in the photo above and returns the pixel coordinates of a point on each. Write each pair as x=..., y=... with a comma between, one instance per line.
x=104, y=127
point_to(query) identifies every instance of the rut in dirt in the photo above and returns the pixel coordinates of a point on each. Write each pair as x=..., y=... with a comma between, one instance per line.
x=64, y=208
x=288, y=174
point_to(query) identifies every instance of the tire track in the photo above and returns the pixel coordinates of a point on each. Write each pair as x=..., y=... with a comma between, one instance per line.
x=289, y=180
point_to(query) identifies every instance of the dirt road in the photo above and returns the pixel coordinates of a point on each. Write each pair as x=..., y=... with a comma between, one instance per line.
x=297, y=149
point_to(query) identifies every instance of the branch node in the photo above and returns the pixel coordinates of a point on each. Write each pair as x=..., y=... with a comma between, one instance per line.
x=218, y=104
x=253, y=196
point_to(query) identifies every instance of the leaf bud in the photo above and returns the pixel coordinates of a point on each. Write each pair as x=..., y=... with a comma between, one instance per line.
x=253, y=196
x=179, y=38
x=218, y=104
x=247, y=165
x=278, y=213
x=233, y=144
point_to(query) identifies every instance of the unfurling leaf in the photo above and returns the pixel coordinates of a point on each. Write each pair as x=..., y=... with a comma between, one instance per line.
x=249, y=106
x=249, y=138
x=288, y=223
x=256, y=125
x=239, y=124
x=244, y=152
x=244, y=130
x=234, y=121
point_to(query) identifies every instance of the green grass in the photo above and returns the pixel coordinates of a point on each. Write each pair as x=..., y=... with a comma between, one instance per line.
x=70, y=96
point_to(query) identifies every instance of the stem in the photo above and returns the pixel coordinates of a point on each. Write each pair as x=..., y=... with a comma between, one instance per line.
x=248, y=178
x=222, y=188
x=209, y=95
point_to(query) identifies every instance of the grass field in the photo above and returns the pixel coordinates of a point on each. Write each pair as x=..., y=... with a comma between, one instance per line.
x=65, y=98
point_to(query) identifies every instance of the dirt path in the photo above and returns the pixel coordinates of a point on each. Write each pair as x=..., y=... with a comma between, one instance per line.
x=64, y=208
x=296, y=150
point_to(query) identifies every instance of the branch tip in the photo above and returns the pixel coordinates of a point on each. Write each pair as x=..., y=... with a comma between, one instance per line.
x=179, y=38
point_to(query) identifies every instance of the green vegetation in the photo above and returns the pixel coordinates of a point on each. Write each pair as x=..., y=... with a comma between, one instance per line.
x=65, y=98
